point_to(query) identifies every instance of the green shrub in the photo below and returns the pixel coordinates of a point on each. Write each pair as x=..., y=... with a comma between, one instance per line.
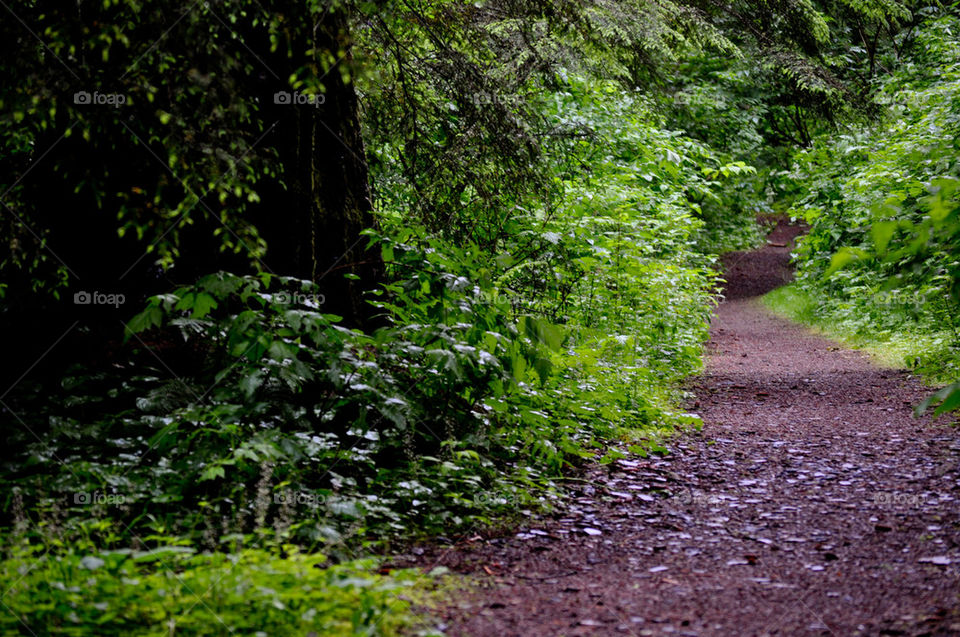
x=883, y=252
x=172, y=590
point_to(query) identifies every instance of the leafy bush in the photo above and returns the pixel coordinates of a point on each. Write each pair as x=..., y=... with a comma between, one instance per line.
x=174, y=590
x=882, y=201
x=240, y=404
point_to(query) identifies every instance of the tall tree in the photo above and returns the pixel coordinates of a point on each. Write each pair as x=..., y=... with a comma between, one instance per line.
x=313, y=219
x=139, y=134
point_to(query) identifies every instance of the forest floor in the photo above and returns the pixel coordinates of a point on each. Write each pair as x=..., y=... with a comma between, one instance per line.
x=811, y=503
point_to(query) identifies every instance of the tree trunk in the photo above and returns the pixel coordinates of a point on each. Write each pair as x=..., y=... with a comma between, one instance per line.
x=313, y=222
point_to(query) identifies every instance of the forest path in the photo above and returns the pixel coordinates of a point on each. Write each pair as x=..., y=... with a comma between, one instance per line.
x=812, y=503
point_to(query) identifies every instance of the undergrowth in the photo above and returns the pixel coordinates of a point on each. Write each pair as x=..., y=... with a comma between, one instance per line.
x=176, y=591
x=905, y=344
x=879, y=267
x=237, y=413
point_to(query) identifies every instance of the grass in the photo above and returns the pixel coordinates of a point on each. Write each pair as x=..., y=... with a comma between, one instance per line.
x=173, y=590
x=910, y=346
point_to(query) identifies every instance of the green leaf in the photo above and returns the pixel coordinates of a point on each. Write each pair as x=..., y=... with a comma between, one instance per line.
x=882, y=232
x=948, y=399
x=211, y=472
x=186, y=301
x=149, y=318
x=842, y=258
x=202, y=305
x=251, y=383
x=951, y=402
x=543, y=331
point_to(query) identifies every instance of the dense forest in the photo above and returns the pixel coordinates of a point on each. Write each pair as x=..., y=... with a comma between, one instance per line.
x=291, y=286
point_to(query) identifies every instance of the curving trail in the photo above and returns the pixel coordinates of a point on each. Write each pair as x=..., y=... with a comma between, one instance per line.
x=812, y=503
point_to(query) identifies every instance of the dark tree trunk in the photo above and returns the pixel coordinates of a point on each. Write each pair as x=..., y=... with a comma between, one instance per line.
x=312, y=223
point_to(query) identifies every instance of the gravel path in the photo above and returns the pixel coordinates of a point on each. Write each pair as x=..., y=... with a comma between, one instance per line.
x=811, y=503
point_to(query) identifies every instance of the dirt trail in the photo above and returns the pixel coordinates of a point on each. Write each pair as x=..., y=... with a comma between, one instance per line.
x=812, y=503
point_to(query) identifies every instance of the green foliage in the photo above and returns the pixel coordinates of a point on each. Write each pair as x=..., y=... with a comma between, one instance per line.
x=119, y=80
x=902, y=344
x=637, y=290
x=882, y=201
x=328, y=419
x=241, y=405
x=175, y=590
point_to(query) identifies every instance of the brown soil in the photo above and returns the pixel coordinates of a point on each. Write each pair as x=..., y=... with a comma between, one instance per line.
x=811, y=503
